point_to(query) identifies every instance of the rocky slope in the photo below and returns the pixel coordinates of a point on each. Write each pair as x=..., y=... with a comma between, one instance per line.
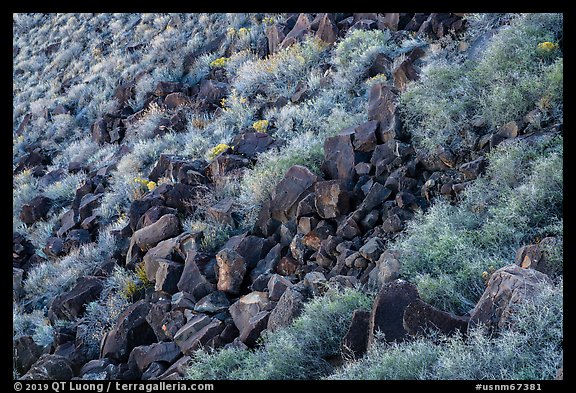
x=316, y=229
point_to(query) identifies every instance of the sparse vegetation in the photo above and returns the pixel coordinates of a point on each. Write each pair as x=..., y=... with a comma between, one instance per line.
x=505, y=83
x=260, y=125
x=529, y=349
x=218, y=149
x=299, y=351
x=219, y=62
x=69, y=72
x=447, y=249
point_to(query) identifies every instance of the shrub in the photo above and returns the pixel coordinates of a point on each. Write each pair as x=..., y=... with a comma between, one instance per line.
x=529, y=349
x=258, y=182
x=279, y=73
x=218, y=149
x=98, y=319
x=260, y=125
x=237, y=114
x=439, y=105
x=214, y=233
x=554, y=252
x=445, y=250
x=48, y=279
x=219, y=62
x=356, y=52
x=41, y=230
x=25, y=187
x=503, y=84
x=62, y=192
x=33, y=324
x=299, y=351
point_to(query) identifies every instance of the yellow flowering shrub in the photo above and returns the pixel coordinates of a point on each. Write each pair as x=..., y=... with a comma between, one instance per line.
x=486, y=274
x=141, y=181
x=260, y=125
x=234, y=103
x=243, y=31
x=141, y=274
x=219, y=62
x=218, y=149
x=142, y=184
x=130, y=289
x=135, y=284
x=379, y=78
x=547, y=48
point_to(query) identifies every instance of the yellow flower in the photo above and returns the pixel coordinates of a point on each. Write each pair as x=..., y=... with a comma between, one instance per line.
x=130, y=289
x=141, y=181
x=243, y=100
x=547, y=46
x=219, y=62
x=141, y=274
x=547, y=49
x=243, y=31
x=218, y=149
x=377, y=78
x=260, y=125
x=223, y=102
x=151, y=185
x=231, y=32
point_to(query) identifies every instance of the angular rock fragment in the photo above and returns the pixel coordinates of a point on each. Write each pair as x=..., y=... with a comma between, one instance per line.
x=50, y=367
x=192, y=279
x=71, y=304
x=231, y=271
x=355, y=342
x=142, y=356
x=167, y=276
x=421, y=317
x=129, y=331
x=387, y=269
x=35, y=210
x=300, y=29
x=197, y=332
x=382, y=108
x=277, y=285
x=167, y=226
x=507, y=287
x=475, y=168
x=372, y=249
x=26, y=353
x=250, y=315
x=289, y=306
x=388, y=311
x=165, y=88
x=339, y=158
x=332, y=199
x=213, y=303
